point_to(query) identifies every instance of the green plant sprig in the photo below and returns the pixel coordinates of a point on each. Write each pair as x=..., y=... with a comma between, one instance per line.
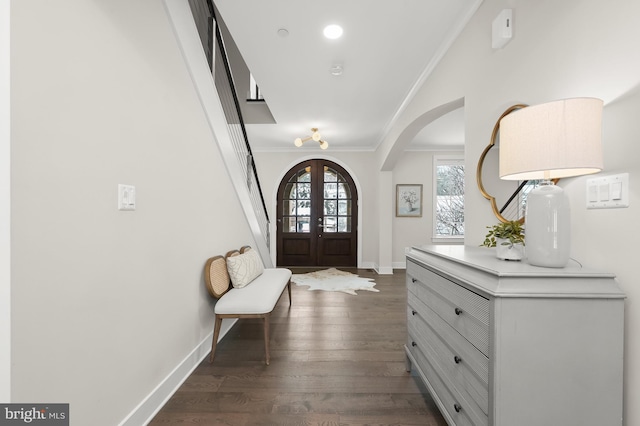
x=512, y=231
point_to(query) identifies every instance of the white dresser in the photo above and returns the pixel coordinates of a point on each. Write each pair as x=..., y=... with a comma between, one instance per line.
x=509, y=344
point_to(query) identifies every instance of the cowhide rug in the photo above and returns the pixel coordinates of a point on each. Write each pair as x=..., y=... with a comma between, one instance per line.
x=333, y=279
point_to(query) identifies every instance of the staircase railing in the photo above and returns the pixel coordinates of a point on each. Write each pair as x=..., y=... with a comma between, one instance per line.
x=203, y=13
x=238, y=133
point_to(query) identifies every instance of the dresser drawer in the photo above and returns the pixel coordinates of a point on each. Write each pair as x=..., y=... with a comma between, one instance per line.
x=454, y=344
x=453, y=404
x=464, y=365
x=466, y=311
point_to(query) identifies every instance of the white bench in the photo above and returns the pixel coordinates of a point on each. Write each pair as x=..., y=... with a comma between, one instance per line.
x=257, y=299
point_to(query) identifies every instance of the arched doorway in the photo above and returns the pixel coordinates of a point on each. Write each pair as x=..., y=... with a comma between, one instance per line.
x=317, y=214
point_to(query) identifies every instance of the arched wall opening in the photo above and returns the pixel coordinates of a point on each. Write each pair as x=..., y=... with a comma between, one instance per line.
x=409, y=133
x=396, y=234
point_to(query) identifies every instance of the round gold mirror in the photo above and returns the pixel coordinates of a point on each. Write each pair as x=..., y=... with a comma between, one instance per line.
x=511, y=195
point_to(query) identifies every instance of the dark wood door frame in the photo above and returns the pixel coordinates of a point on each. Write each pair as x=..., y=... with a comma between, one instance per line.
x=317, y=216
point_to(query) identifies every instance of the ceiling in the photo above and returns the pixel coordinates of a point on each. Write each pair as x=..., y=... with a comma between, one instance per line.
x=386, y=51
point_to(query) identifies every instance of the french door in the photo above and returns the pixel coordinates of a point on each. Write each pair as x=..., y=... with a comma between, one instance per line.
x=317, y=216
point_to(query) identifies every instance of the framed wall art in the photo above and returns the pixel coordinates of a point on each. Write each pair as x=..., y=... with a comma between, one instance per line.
x=408, y=200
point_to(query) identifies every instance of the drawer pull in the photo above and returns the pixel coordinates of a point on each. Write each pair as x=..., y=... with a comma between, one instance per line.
x=414, y=344
x=457, y=407
x=458, y=311
x=413, y=280
x=413, y=312
x=457, y=359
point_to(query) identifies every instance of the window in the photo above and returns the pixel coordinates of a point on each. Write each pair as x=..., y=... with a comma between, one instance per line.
x=448, y=203
x=296, y=205
x=337, y=202
x=254, y=90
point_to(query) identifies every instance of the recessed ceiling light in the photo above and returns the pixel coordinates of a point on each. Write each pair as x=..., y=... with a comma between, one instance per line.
x=336, y=69
x=283, y=32
x=332, y=31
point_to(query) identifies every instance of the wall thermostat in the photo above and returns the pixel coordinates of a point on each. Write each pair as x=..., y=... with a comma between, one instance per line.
x=502, y=29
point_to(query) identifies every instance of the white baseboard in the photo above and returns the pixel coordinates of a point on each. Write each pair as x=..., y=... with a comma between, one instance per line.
x=386, y=270
x=383, y=271
x=399, y=265
x=149, y=407
x=367, y=265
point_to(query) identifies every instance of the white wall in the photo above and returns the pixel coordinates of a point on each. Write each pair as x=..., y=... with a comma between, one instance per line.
x=559, y=50
x=272, y=167
x=5, y=207
x=607, y=239
x=415, y=167
x=105, y=304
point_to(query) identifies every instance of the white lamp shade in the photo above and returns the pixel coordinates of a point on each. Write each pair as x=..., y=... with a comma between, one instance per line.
x=552, y=140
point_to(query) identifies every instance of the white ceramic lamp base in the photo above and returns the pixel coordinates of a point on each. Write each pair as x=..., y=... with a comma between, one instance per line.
x=547, y=227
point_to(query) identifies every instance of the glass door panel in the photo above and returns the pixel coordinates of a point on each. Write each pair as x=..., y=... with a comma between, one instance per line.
x=296, y=203
x=337, y=203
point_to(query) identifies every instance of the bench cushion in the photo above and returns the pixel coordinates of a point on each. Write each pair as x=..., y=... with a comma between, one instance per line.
x=258, y=297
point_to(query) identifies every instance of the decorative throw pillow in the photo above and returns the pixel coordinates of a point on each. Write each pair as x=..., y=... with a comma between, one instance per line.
x=244, y=268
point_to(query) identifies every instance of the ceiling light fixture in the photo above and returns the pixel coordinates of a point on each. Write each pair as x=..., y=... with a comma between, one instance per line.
x=314, y=136
x=332, y=31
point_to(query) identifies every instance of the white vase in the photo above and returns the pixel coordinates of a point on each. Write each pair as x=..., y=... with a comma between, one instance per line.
x=507, y=251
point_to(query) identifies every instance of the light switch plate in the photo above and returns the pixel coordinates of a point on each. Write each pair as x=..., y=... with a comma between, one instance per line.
x=126, y=197
x=608, y=192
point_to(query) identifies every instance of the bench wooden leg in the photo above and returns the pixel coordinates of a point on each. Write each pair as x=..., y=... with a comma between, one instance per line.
x=216, y=333
x=289, y=285
x=266, y=338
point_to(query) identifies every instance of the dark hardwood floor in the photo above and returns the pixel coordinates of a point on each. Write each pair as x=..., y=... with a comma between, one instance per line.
x=336, y=359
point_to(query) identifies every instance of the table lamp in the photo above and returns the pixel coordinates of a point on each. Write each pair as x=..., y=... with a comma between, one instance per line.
x=548, y=141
